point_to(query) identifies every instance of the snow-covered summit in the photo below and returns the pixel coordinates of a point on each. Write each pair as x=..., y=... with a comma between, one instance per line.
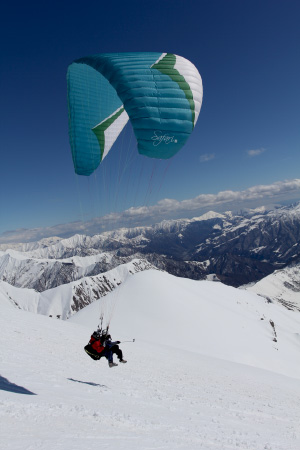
x=210, y=215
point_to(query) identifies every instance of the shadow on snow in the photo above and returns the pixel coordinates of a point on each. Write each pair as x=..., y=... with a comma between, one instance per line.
x=6, y=385
x=88, y=382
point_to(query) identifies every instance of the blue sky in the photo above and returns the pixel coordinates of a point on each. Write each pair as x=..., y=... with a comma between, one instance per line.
x=247, y=135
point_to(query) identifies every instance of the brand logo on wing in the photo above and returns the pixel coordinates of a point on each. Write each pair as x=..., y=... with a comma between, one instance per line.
x=158, y=137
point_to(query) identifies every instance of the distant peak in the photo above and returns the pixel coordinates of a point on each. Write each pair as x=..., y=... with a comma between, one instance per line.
x=210, y=215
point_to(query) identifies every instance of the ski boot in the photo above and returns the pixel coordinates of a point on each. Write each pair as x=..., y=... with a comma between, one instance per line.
x=112, y=364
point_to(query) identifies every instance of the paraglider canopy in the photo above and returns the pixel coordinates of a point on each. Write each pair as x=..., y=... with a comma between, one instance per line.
x=160, y=93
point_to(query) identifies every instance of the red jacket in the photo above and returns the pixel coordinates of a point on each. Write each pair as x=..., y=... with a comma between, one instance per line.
x=96, y=344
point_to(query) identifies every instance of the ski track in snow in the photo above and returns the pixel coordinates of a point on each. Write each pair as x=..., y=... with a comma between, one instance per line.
x=161, y=399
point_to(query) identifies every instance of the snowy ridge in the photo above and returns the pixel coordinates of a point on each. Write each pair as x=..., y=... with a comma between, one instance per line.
x=282, y=286
x=30, y=246
x=41, y=274
x=63, y=301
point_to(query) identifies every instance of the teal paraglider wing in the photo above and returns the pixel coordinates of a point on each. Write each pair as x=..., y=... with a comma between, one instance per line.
x=160, y=93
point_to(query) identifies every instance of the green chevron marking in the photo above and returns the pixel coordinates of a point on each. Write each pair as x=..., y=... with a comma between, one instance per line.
x=102, y=127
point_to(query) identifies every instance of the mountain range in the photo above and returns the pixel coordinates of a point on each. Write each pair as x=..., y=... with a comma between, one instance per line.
x=238, y=249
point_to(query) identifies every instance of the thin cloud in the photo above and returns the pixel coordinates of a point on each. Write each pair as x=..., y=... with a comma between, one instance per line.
x=256, y=152
x=207, y=157
x=164, y=209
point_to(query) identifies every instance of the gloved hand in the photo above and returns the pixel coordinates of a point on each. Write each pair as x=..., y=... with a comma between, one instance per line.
x=118, y=342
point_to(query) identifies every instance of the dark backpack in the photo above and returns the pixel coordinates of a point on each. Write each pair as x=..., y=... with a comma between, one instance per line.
x=89, y=347
x=91, y=352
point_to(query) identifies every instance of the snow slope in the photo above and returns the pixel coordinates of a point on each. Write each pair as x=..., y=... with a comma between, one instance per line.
x=204, y=317
x=169, y=395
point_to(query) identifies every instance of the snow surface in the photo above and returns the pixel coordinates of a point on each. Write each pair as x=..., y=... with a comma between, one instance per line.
x=204, y=317
x=174, y=392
